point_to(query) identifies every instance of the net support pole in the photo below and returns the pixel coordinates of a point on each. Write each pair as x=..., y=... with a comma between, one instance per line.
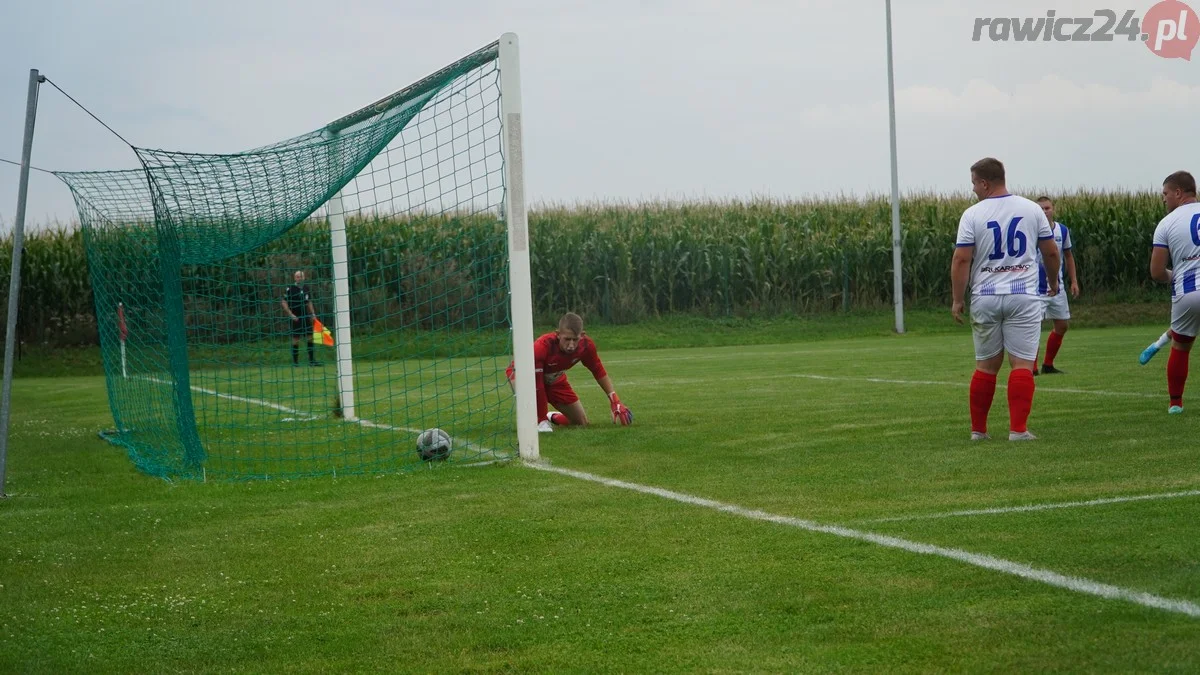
x=14, y=284
x=520, y=283
x=341, y=304
x=897, y=281
x=124, y=333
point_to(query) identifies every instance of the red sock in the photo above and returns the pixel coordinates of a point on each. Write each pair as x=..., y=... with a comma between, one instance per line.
x=1020, y=398
x=1177, y=372
x=983, y=388
x=1052, y=344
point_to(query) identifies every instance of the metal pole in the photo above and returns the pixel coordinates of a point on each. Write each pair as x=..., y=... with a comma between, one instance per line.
x=897, y=286
x=14, y=285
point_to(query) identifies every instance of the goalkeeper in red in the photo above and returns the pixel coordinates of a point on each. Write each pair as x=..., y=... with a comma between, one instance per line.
x=553, y=355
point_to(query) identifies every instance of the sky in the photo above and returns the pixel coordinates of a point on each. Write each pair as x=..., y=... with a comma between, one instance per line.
x=624, y=100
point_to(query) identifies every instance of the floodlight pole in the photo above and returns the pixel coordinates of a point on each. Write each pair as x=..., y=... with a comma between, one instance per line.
x=14, y=283
x=897, y=285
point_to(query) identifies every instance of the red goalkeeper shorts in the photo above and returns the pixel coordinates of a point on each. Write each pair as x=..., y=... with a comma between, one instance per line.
x=558, y=391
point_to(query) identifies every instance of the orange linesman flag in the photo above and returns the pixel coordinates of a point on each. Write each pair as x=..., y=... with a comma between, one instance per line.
x=321, y=334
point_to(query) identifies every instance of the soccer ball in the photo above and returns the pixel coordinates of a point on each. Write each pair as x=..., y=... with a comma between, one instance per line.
x=433, y=445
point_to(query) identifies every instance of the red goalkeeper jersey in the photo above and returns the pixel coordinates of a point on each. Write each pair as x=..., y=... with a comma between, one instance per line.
x=551, y=362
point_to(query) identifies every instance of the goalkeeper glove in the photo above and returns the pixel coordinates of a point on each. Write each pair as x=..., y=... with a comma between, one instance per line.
x=620, y=414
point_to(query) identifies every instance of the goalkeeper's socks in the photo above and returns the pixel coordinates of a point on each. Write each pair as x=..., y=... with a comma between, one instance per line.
x=1020, y=399
x=983, y=389
x=1177, y=372
x=558, y=419
x=1052, y=344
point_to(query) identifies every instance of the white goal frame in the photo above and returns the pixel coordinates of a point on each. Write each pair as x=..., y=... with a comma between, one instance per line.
x=517, y=221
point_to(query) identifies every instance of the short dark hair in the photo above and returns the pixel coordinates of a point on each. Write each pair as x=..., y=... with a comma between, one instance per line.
x=1181, y=180
x=1044, y=198
x=572, y=322
x=989, y=169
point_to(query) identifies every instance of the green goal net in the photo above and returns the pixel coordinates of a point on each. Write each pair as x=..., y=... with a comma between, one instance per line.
x=312, y=306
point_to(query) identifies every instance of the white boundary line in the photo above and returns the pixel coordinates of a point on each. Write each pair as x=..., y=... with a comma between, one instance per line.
x=1038, y=507
x=735, y=352
x=1077, y=584
x=266, y=404
x=308, y=417
x=874, y=380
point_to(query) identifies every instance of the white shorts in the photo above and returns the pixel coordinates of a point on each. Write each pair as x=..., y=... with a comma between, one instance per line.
x=1056, y=307
x=1011, y=323
x=1185, y=314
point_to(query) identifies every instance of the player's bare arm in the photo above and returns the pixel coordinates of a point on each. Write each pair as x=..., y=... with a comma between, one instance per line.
x=287, y=309
x=607, y=385
x=620, y=414
x=960, y=273
x=1159, y=258
x=1069, y=262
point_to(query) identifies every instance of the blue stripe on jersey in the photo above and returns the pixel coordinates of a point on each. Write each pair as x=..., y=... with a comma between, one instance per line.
x=1018, y=287
x=1043, y=281
x=1066, y=237
x=1045, y=238
x=1161, y=246
x=1189, y=281
x=962, y=245
x=988, y=288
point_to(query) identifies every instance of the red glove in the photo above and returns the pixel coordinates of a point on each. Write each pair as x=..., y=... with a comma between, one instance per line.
x=620, y=414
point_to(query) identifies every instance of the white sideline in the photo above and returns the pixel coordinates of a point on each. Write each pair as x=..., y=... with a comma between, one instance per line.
x=1076, y=584
x=266, y=404
x=1057, y=390
x=308, y=417
x=876, y=380
x=733, y=354
x=1038, y=507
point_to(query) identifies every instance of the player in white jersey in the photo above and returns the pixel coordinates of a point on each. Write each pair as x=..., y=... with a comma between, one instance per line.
x=1057, y=308
x=995, y=255
x=1177, y=241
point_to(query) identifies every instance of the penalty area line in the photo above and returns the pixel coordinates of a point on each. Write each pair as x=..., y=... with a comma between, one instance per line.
x=1076, y=584
x=876, y=380
x=1038, y=507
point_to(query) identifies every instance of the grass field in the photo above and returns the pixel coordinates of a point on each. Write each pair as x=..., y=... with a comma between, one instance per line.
x=278, y=420
x=812, y=504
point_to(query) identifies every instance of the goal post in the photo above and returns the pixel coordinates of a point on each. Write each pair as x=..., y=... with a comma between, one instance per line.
x=518, y=248
x=341, y=298
x=398, y=230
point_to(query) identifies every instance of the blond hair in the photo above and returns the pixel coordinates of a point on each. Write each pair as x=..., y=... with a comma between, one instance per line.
x=572, y=322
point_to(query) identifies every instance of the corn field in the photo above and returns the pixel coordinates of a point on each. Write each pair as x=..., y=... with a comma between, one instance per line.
x=627, y=262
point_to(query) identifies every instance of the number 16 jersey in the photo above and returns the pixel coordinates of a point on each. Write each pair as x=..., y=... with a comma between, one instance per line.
x=1004, y=233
